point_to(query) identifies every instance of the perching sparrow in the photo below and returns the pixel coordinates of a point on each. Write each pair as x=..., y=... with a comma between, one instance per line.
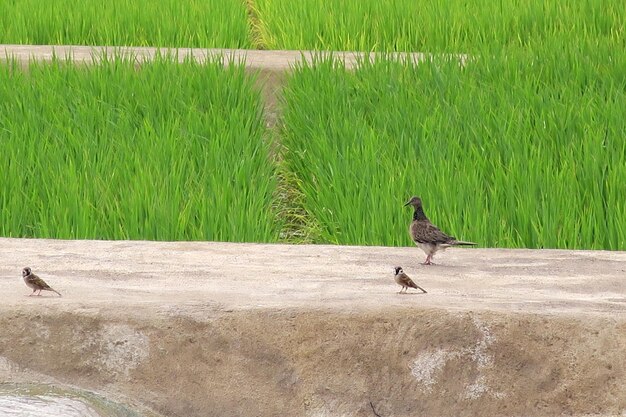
x=36, y=283
x=404, y=280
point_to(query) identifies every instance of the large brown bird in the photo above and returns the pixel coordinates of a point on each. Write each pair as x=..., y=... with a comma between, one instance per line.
x=404, y=280
x=428, y=236
x=36, y=283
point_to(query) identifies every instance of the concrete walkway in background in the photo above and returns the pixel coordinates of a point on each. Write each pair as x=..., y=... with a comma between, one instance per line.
x=254, y=59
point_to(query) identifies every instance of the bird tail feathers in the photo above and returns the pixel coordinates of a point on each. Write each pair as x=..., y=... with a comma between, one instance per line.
x=462, y=243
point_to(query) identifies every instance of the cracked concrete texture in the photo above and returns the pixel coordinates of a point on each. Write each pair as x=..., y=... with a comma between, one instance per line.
x=214, y=329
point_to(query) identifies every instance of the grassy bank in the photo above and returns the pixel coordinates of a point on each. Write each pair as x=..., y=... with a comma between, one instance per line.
x=167, y=152
x=166, y=23
x=516, y=150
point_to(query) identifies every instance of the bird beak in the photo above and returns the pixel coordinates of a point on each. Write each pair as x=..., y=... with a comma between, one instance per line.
x=407, y=203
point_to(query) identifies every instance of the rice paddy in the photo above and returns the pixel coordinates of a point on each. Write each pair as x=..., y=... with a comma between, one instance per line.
x=168, y=151
x=522, y=146
x=164, y=23
x=510, y=151
x=457, y=26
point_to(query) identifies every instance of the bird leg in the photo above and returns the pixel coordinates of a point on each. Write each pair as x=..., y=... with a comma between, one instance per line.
x=428, y=260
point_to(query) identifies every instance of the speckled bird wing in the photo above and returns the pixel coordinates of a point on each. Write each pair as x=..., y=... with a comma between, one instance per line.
x=38, y=282
x=426, y=232
x=406, y=281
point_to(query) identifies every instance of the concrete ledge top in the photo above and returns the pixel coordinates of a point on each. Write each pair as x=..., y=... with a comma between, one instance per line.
x=273, y=60
x=201, y=278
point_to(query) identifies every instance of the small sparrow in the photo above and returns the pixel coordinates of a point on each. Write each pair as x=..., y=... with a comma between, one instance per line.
x=36, y=283
x=406, y=282
x=426, y=235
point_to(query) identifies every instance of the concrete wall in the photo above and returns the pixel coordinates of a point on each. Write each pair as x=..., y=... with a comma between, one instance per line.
x=406, y=362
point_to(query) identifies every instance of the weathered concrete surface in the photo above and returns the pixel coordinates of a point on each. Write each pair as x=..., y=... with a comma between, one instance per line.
x=254, y=59
x=216, y=329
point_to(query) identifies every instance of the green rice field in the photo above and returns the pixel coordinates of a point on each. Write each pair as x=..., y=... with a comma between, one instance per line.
x=166, y=152
x=512, y=151
x=165, y=23
x=522, y=145
x=457, y=26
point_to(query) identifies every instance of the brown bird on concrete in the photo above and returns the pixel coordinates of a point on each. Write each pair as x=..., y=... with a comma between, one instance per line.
x=428, y=236
x=404, y=280
x=36, y=283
